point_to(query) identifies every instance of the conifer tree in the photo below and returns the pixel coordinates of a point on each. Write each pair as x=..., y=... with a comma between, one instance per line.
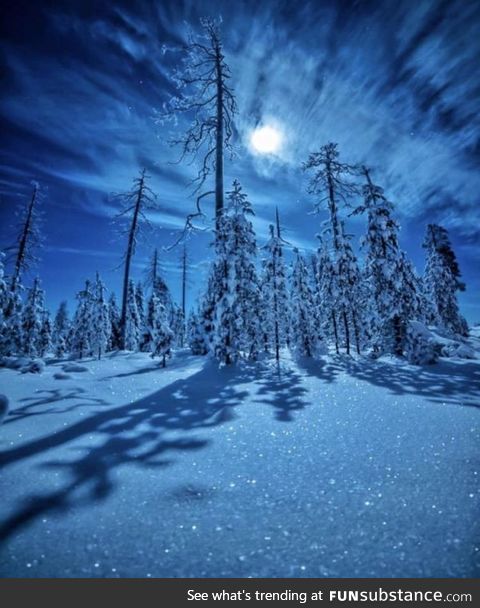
x=101, y=326
x=442, y=281
x=61, y=330
x=81, y=332
x=195, y=335
x=45, y=344
x=331, y=183
x=140, y=299
x=390, y=279
x=161, y=334
x=114, y=318
x=32, y=320
x=235, y=292
x=303, y=332
x=178, y=326
x=325, y=300
x=132, y=321
x=275, y=300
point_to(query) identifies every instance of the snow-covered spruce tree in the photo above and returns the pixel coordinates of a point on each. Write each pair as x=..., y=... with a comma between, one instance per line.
x=45, y=344
x=28, y=239
x=419, y=345
x=132, y=321
x=140, y=299
x=275, y=301
x=32, y=320
x=135, y=204
x=61, y=331
x=410, y=303
x=178, y=326
x=11, y=338
x=303, y=333
x=442, y=281
x=331, y=184
x=235, y=290
x=158, y=285
x=81, y=330
x=325, y=297
x=195, y=335
x=114, y=317
x=101, y=326
x=349, y=294
x=205, y=97
x=160, y=332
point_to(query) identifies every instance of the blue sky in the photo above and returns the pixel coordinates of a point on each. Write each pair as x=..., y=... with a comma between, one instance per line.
x=396, y=84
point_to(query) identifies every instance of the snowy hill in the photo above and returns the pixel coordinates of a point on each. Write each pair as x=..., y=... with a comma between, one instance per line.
x=339, y=467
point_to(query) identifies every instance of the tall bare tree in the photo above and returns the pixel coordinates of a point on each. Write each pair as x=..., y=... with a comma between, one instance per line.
x=204, y=96
x=28, y=239
x=135, y=203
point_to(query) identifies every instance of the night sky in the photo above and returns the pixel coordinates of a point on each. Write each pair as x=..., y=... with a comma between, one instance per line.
x=394, y=82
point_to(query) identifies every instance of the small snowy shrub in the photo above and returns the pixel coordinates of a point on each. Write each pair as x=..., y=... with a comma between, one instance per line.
x=419, y=344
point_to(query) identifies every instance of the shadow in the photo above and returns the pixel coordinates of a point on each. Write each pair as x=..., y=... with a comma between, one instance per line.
x=454, y=382
x=154, y=366
x=131, y=433
x=51, y=397
x=282, y=389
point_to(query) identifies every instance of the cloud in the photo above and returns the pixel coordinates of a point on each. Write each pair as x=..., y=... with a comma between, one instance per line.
x=395, y=84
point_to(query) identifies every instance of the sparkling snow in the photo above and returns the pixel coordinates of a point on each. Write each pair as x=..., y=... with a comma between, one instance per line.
x=339, y=467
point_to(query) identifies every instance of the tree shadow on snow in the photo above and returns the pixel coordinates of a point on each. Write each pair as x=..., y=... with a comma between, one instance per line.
x=51, y=397
x=281, y=389
x=450, y=382
x=144, y=433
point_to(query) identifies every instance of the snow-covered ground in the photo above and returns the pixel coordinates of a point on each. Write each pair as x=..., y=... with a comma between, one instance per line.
x=340, y=467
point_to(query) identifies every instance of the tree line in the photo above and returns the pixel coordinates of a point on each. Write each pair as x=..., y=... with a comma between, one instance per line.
x=254, y=302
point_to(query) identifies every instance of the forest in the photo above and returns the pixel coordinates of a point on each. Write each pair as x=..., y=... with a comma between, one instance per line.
x=312, y=413
x=254, y=304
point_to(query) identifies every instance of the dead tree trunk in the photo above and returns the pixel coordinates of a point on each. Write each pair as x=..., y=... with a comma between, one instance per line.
x=23, y=241
x=219, y=137
x=128, y=256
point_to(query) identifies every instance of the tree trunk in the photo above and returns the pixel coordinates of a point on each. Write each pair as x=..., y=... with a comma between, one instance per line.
x=184, y=291
x=219, y=140
x=335, y=331
x=22, y=246
x=347, y=331
x=128, y=260
x=398, y=335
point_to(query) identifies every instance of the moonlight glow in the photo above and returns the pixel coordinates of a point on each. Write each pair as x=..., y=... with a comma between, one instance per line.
x=266, y=140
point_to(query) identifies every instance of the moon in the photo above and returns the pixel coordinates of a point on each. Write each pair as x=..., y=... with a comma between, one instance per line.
x=266, y=140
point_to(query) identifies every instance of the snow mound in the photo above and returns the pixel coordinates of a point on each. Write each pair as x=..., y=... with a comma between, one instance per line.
x=420, y=347
x=26, y=365
x=3, y=408
x=14, y=362
x=462, y=351
x=61, y=376
x=34, y=366
x=74, y=367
